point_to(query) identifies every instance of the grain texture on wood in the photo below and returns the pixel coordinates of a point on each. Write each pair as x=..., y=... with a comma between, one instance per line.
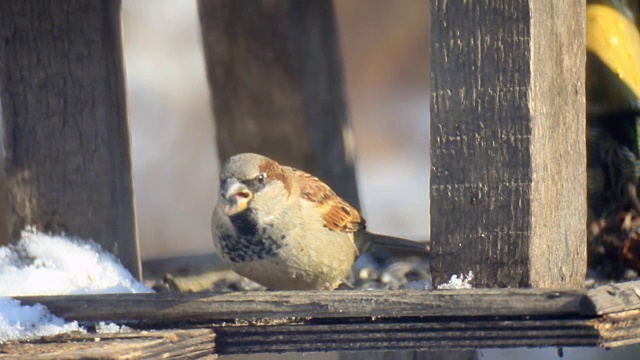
x=557, y=247
x=611, y=299
x=275, y=74
x=65, y=122
x=166, y=344
x=619, y=329
x=376, y=335
x=208, y=306
x=507, y=141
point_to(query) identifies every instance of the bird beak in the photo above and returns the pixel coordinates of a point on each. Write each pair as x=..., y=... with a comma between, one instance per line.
x=237, y=196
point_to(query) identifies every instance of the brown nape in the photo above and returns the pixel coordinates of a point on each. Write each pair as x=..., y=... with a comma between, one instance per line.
x=275, y=172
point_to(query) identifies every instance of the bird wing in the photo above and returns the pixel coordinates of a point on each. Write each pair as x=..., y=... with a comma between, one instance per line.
x=337, y=214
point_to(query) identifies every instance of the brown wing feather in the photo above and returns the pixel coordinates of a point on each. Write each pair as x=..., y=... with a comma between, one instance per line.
x=338, y=214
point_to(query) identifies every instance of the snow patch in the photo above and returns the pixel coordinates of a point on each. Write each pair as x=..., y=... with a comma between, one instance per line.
x=41, y=264
x=461, y=282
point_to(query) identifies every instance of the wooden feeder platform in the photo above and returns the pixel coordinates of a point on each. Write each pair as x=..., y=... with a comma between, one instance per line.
x=196, y=324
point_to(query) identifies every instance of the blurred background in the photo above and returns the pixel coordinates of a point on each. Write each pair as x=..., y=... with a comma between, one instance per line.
x=385, y=50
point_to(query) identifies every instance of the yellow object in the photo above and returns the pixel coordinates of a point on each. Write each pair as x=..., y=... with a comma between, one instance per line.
x=613, y=38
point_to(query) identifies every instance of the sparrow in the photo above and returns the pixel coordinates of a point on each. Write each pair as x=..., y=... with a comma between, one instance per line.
x=287, y=230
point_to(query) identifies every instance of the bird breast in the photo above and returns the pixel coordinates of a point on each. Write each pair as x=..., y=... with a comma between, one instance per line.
x=294, y=251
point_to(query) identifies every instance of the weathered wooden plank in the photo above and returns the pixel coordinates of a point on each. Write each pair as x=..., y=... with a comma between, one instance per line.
x=507, y=142
x=557, y=249
x=65, y=122
x=368, y=335
x=207, y=306
x=339, y=335
x=166, y=344
x=275, y=75
x=619, y=329
x=403, y=335
x=301, y=321
x=612, y=298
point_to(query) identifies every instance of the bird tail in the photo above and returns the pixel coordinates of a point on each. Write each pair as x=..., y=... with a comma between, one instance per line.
x=394, y=245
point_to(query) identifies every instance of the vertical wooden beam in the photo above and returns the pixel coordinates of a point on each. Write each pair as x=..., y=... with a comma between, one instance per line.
x=275, y=74
x=65, y=122
x=508, y=181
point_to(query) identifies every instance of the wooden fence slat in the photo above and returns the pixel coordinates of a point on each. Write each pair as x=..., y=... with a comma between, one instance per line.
x=508, y=142
x=66, y=131
x=275, y=74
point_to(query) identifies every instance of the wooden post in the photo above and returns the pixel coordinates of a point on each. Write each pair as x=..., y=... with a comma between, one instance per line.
x=275, y=75
x=65, y=123
x=508, y=181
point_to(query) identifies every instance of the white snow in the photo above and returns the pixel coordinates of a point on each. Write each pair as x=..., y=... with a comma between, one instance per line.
x=24, y=322
x=43, y=264
x=461, y=282
x=110, y=328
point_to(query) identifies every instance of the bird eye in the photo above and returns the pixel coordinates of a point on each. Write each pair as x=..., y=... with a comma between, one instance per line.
x=261, y=178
